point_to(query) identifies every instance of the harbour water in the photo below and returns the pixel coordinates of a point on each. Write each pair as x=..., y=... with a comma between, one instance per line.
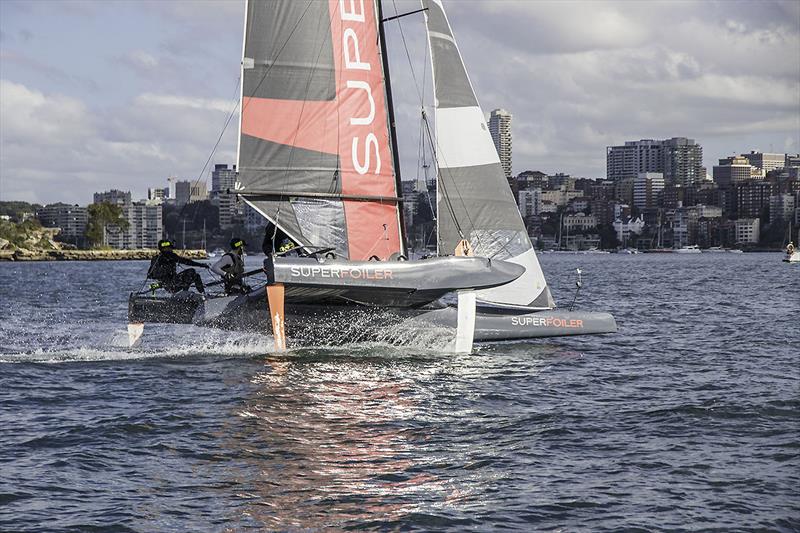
x=688, y=419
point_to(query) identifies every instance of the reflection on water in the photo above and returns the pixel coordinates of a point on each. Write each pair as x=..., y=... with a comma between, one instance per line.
x=336, y=440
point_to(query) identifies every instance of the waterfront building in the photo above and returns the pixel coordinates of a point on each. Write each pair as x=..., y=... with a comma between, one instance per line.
x=735, y=169
x=705, y=211
x=500, y=130
x=748, y=230
x=529, y=201
x=72, y=219
x=559, y=180
x=625, y=229
x=679, y=160
x=114, y=197
x=187, y=192
x=781, y=207
x=752, y=198
x=581, y=241
x=579, y=222
x=560, y=196
x=547, y=206
x=646, y=187
x=157, y=195
x=766, y=162
x=623, y=190
x=579, y=204
x=532, y=179
x=144, y=229
x=253, y=221
x=223, y=183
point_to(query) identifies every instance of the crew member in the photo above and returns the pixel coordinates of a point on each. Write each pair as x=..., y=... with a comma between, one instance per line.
x=276, y=241
x=231, y=268
x=163, y=268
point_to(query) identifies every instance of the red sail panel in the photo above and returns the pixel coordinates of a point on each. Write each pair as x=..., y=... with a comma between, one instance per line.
x=364, y=146
x=304, y=124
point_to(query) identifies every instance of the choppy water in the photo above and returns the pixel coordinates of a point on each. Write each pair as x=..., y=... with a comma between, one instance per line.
x=685, y=420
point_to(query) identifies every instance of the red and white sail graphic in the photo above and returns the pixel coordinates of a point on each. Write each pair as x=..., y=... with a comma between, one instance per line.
x=350, y=123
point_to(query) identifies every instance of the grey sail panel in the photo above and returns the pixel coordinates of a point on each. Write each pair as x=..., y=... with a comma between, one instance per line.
x=308, y=221
x=474, y=206
x=288, y=52
x=280, y=167
x=474, y=199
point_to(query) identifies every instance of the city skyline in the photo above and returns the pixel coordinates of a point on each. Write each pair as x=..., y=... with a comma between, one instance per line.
x=151, y=102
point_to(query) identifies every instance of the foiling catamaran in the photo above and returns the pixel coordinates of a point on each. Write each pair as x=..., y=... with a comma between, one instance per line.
x=318, y=159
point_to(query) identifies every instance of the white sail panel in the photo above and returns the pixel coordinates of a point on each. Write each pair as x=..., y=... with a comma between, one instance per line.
x=474, y=199
x=454, y=149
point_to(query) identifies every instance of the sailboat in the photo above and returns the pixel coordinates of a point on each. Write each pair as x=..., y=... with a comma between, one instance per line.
x=318, y=160
x=792, y=252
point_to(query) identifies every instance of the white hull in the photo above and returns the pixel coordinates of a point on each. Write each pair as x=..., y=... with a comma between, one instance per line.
x=793, y=258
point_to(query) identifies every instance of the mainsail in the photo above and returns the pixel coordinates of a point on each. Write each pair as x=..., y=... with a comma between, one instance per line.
x=473, y=198
x=315, y=155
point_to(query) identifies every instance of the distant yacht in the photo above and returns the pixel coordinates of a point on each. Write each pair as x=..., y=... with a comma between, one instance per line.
x=691, y=249
x=218, y=252
x=792, y=254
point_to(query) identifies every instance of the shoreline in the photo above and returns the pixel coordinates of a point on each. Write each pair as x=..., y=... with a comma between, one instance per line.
x=92, y=255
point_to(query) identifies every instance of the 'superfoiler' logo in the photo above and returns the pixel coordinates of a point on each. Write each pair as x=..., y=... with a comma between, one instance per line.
x=353, y=13
x=341, y=272
x=364, y=149
x=550, y=321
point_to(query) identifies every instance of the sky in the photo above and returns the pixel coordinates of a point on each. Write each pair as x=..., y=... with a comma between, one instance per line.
x=97, y=95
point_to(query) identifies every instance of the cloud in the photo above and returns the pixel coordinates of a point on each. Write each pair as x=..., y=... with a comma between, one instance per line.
x=31, y=117
x=54, y=148
x=170, y=100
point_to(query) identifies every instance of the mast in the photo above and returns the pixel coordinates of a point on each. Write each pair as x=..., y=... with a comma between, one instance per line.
x=392, y=131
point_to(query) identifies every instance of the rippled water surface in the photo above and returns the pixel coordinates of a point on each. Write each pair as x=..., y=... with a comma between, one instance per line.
x=686, y=420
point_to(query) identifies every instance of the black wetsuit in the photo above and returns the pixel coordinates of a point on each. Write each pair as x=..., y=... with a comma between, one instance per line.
x=234, y=274
x=163, y=268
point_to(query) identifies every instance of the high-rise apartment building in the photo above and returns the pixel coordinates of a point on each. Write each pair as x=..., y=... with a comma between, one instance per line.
x=765, y=162
x=500, y=129
x=114, y=196
x=187, y=192
x=223, y=180
x=781, y=207
x=144, y=227
x=733, y=170
x=72, y=219
x=646, y=187
x=679, y=159
x=752, y=198
x=529, y=201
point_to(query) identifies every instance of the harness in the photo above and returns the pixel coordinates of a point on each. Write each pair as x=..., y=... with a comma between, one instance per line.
x=236, y=270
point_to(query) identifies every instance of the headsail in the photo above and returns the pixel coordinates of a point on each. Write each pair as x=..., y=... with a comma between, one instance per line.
x=314, y=151
x=474, y=199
